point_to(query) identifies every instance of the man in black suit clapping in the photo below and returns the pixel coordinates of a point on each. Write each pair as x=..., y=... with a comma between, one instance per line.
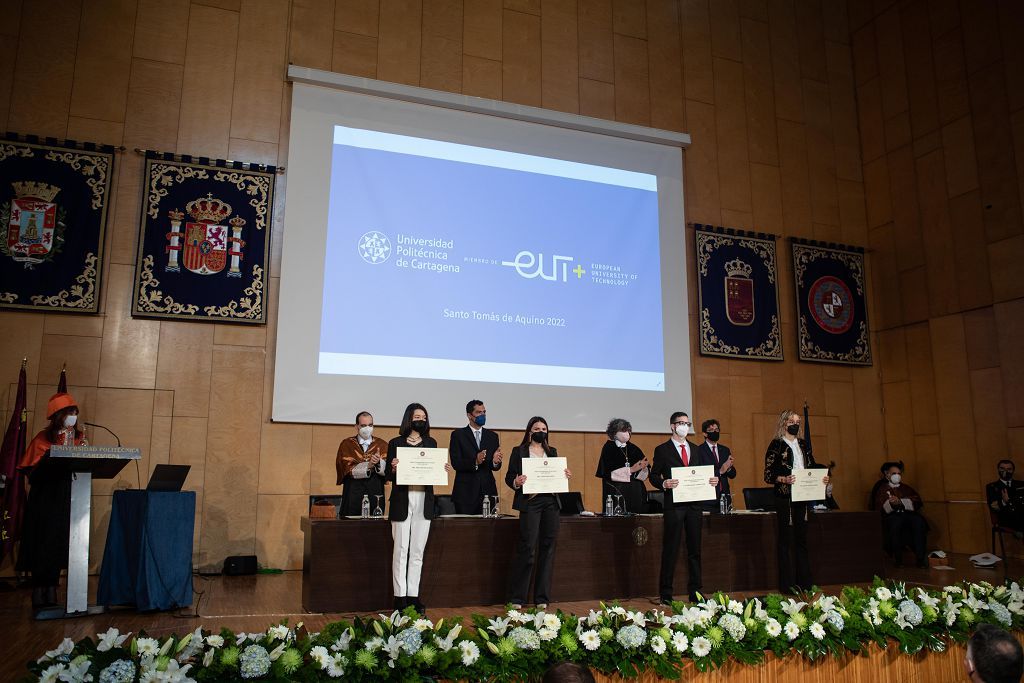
x=476, y=455
x=721, y=457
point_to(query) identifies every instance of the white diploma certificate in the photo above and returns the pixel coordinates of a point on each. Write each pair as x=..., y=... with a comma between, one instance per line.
x=421, y=466
x=808, y=485
x=693, y=484
x=545, y=475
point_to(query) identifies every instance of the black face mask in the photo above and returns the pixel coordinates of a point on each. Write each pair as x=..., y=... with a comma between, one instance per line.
x=539, y=437
x=419, y=425
x=1006, y=476
x=793, y=429
x=713, y=436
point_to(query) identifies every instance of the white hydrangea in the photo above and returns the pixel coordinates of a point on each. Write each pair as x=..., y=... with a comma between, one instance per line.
x=733, y=625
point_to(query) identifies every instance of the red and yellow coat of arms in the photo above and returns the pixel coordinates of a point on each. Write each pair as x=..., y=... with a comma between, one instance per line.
x=209, y=241
x=34, y=225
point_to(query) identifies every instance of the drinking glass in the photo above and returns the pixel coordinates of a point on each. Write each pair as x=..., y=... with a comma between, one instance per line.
x=618, y=506
x=378, y=512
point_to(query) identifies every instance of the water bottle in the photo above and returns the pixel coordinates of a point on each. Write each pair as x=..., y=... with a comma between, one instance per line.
x=609, y=507
x=723, y=505
x=487, y=506
x=365, y=511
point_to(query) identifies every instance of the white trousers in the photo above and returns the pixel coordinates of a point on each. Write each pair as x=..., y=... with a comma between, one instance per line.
x=410, y=539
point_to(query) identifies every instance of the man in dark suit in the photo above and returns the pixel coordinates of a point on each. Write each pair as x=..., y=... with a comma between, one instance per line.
x=679, y=452
x=721, y=457
x=1006, y=497
x=476, y=455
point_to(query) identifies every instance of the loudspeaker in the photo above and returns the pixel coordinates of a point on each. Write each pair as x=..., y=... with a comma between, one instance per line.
x=240, y=565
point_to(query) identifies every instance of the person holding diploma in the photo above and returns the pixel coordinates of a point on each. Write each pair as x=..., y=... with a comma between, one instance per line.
x=623, y=467
x=46, y=526
x=721, y=456
x=787, y=453
x=476, y=455
x=538, y=520
x=360, y=464
x=411, y=509
x=678, y=451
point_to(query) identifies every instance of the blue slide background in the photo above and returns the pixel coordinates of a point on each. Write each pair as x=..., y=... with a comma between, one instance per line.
x=491, y=214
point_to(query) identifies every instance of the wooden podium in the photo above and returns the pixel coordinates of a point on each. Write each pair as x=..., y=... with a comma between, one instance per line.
x=82, y=464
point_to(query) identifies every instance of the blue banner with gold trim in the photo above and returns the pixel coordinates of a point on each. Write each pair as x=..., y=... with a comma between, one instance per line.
x=737, y=285
x=204, y=240
x=53, y=207
x=832, y=315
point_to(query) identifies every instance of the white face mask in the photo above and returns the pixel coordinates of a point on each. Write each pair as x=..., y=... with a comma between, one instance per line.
x=895, y=479
x=70, y=420
x=682, y=430
x=622, y=438
x=366, y=432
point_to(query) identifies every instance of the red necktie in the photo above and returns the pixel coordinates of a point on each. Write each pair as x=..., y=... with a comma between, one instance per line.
x=714, y=449
x=682, y=453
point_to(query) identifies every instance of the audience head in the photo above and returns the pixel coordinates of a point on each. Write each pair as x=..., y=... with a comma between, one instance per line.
x=993, y=656
x=568, y=672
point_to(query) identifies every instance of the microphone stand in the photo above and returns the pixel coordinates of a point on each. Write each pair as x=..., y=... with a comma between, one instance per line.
x=138, y=476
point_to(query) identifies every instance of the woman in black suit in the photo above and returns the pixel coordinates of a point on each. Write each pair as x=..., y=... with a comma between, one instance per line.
x=622, y=467
x=410, y=510
x=787, y=453
x=538, y=520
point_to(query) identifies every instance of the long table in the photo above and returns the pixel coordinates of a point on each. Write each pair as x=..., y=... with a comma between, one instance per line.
x=347, y=563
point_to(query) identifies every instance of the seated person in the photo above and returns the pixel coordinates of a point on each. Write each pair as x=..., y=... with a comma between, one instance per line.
x=1006, y=498
x=902, y=523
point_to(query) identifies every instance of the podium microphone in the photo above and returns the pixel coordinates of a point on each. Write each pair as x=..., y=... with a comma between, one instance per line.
x=138, y=477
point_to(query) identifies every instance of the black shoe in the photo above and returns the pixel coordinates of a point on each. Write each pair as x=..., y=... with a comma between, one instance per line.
x=38, y=597
x=420, y=608
x=401, y=602
x=51, y=595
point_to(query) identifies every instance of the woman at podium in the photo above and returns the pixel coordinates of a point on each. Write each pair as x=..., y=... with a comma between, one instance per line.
x=44, y=537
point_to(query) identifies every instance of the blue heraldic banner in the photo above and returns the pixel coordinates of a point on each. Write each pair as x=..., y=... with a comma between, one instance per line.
x=737, y=285
x=53, y=207
x=204, y=240
x=831, y=303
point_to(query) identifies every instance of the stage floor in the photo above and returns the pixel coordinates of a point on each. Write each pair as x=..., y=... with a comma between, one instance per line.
x=252, y=603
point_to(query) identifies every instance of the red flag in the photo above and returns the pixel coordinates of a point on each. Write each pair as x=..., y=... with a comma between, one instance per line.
x=14, y=489
x=62, y=383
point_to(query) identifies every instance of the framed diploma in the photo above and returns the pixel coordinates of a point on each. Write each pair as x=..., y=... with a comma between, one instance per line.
x=693, y=484
x=545, y=475
x=808, y=485
x=421, y=466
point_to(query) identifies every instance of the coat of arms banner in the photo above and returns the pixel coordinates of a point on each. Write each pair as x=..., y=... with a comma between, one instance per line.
x=53, y=207
x=204, y=240
x=832, y=316
x=737, y=285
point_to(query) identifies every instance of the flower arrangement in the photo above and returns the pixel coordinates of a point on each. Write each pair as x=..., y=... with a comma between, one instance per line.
x=522, y=644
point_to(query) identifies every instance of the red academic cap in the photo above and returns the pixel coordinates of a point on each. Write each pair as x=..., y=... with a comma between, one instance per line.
x=59, y=402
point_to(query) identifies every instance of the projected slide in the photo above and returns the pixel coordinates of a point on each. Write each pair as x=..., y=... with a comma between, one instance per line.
x=453, y=262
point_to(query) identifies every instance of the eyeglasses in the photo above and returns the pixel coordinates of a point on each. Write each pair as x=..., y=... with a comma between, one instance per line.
x=682, y=422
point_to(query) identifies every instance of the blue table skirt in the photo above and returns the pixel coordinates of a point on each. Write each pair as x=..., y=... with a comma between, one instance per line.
x=148, y=558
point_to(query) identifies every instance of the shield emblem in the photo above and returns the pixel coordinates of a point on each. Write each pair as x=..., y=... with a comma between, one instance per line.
x=30, y=230
x=831, y=304
x=205, y=250
x=739, y=300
